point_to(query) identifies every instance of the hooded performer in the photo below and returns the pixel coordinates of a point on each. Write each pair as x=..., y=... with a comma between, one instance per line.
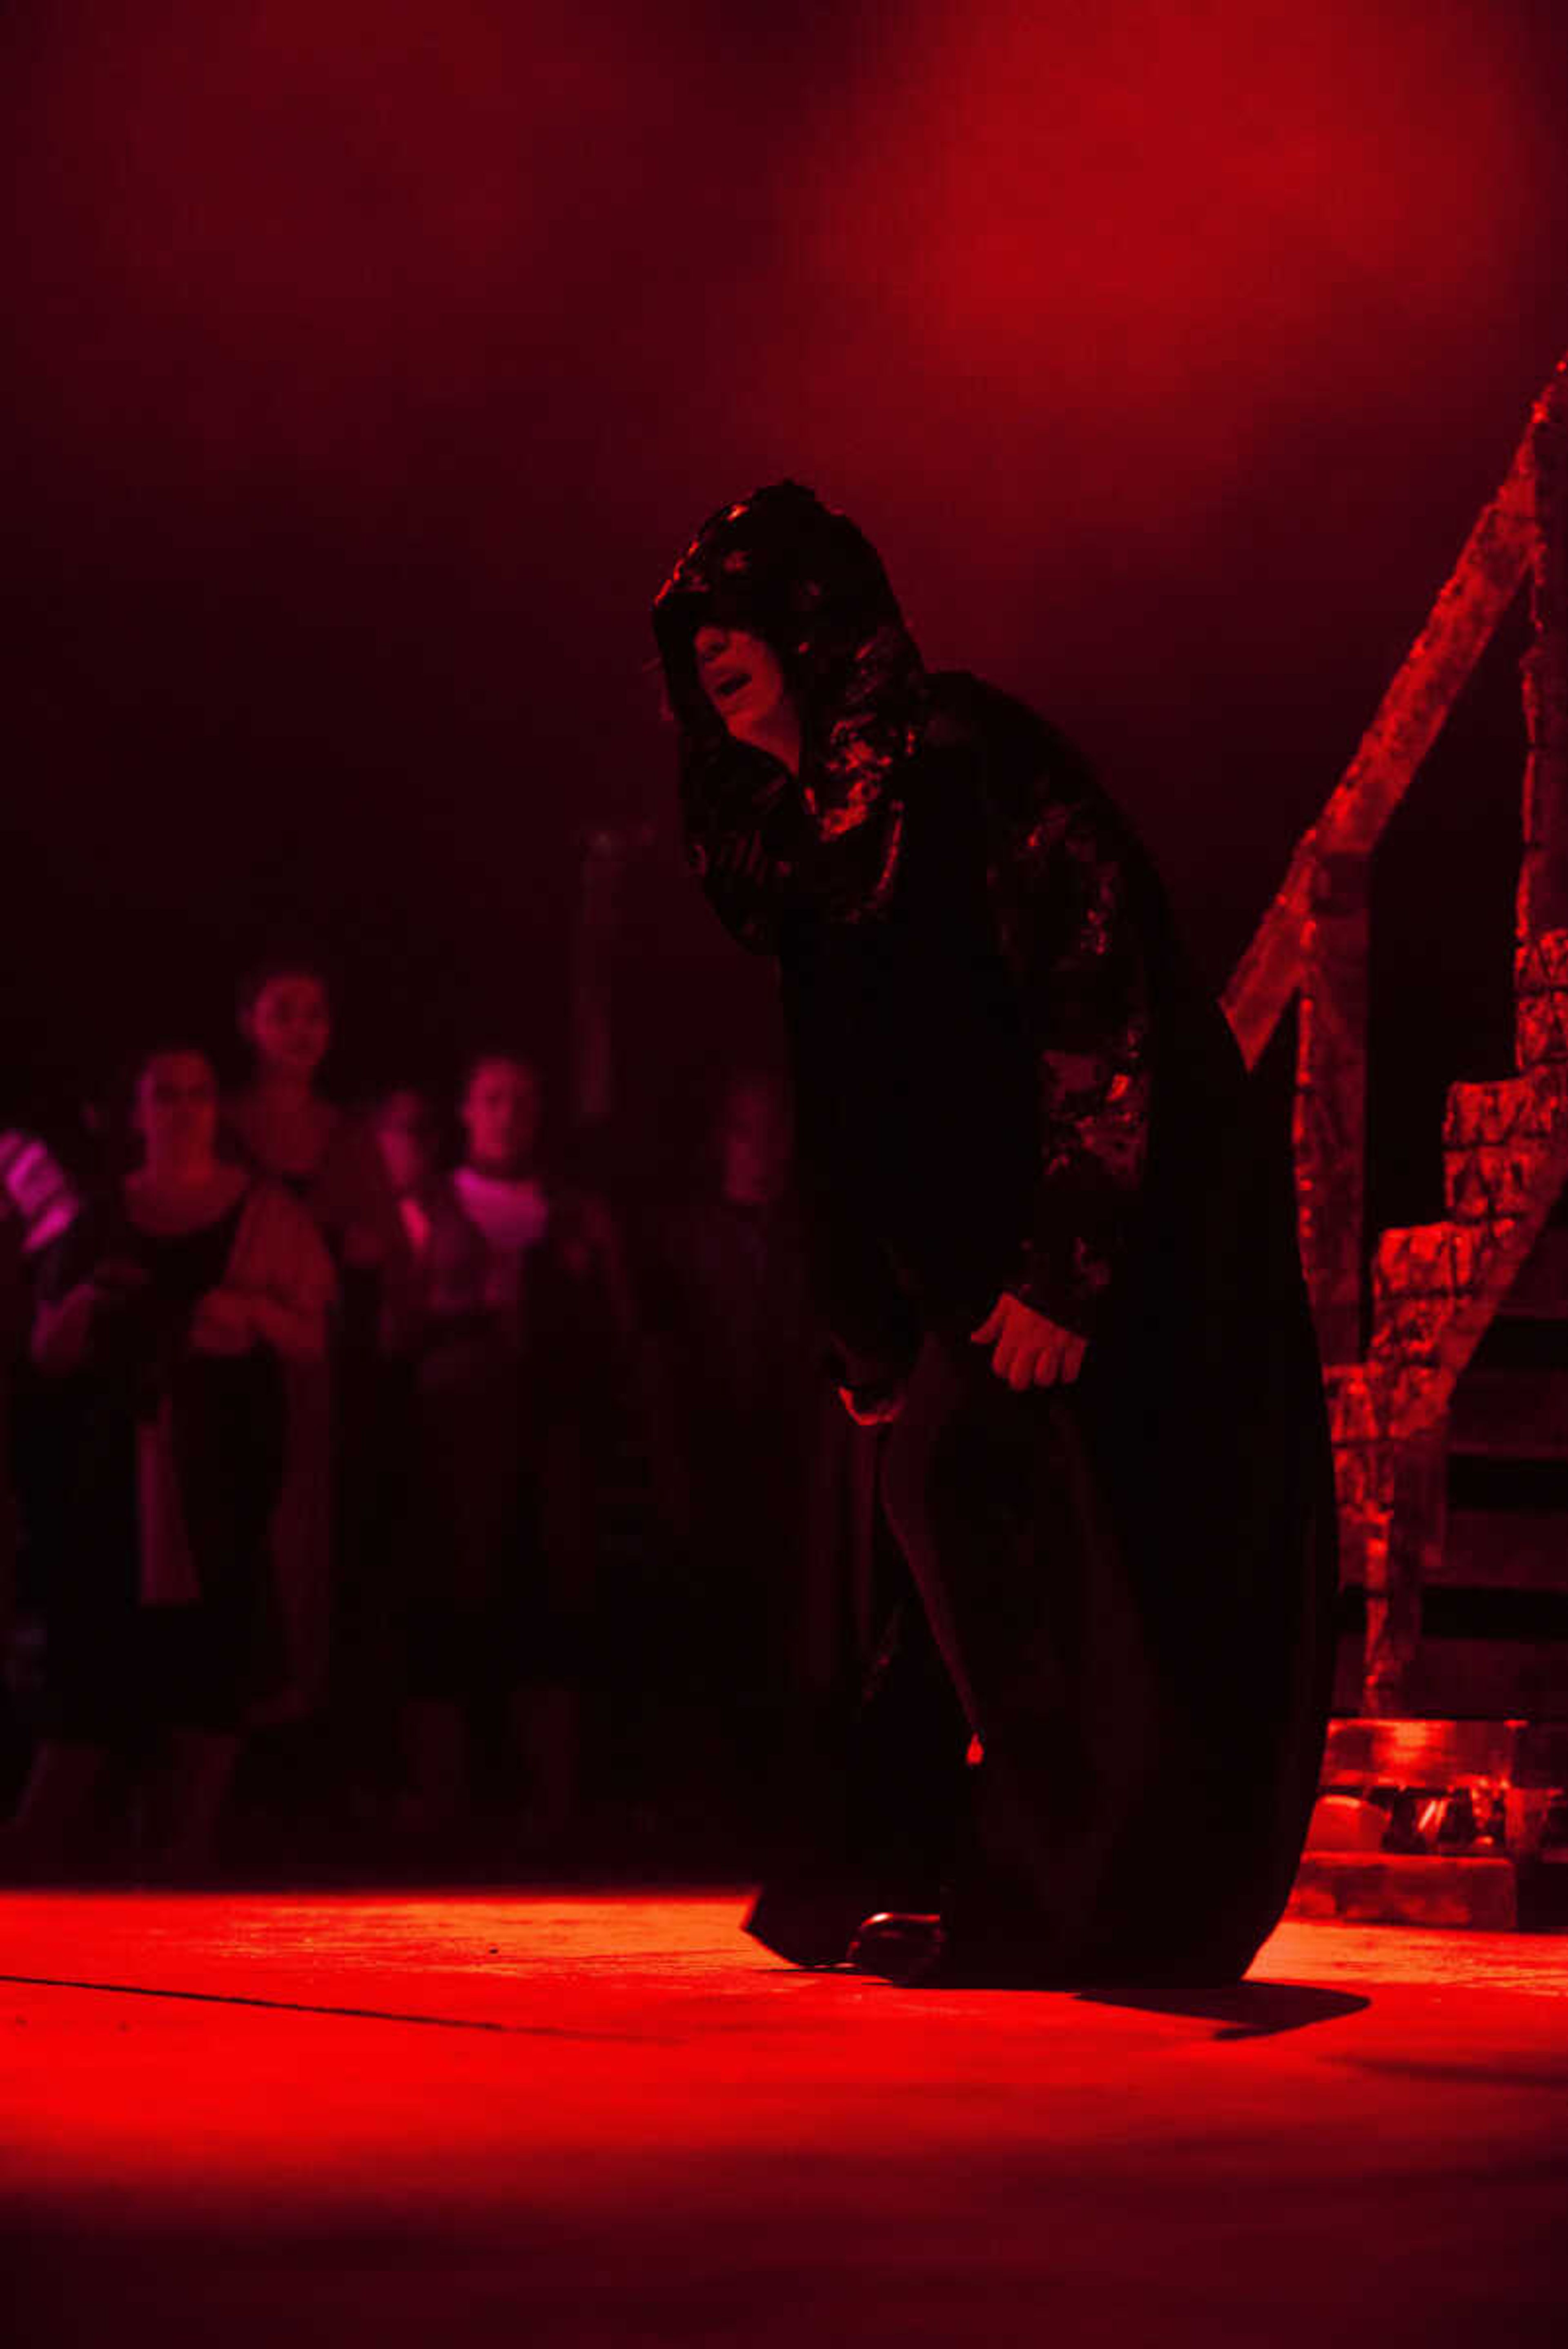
x=1056, y=1251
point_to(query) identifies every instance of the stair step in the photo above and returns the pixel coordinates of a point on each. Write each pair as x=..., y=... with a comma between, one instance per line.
x=1511, y=1415
x=1495, y=1111
x=1494, y=1138
x=1540, y=999
x=1411, y=1752
x=1497, y=1896
x=1413, y=1260
x=1499, y=1549
x=1374, y=1888
x=1425, y=1278
x=1500, y=1139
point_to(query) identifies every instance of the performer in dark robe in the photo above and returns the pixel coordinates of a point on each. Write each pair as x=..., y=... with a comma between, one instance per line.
x=1055, y=1246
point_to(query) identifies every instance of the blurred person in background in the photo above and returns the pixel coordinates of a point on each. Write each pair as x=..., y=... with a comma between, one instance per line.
x=281, y=1123
x=167, y=1311
x=39, y=1203
x=527, y=1324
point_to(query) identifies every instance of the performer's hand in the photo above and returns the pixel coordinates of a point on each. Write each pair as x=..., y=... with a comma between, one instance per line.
x=743, y=858
x=223, y=1323
x=1030, y=1352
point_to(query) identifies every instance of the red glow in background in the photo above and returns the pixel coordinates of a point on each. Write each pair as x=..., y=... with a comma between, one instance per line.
x=369, y=365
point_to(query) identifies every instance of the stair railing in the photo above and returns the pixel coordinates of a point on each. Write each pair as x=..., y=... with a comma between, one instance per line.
x=1435, y=1287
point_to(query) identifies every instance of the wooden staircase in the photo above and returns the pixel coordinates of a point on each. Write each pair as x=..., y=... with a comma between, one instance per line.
x=1450, y=1411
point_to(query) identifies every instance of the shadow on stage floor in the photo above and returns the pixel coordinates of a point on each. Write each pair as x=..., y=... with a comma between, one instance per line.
x=1246, y=2010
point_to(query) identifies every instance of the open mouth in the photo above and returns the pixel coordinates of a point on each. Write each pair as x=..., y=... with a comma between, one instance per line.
x=733, y=681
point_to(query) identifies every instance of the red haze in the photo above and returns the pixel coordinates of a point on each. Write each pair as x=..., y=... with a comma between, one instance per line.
x=367, y=365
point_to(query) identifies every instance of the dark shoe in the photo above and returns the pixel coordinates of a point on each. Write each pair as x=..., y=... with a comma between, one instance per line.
x=900, y=1945
x=809, y=1920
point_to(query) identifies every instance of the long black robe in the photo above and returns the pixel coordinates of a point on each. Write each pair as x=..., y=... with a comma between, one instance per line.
x=1009, y=1078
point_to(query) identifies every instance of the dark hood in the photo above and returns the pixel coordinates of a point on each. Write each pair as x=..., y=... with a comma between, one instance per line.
x=783, y=567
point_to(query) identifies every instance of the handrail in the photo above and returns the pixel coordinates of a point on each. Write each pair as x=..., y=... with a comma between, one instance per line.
x=1484, y=582
x=1315, y=940
x=1506, y=1143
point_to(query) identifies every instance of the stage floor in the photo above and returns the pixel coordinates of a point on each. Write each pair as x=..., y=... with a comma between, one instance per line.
x=602, y=2118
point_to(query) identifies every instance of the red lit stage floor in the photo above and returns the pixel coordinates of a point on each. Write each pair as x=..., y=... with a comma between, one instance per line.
x=585, y=2118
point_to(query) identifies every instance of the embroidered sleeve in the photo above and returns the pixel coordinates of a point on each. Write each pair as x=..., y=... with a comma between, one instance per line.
x=1076, y=941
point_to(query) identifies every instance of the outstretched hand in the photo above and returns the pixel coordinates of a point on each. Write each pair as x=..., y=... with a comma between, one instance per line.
x=1030, y=1352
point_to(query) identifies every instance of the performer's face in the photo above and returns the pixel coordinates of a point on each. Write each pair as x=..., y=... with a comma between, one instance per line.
x=501, y=1114
x=742, y=678
x=406, y=1132
x=290, y=1023
x=176, y=1108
